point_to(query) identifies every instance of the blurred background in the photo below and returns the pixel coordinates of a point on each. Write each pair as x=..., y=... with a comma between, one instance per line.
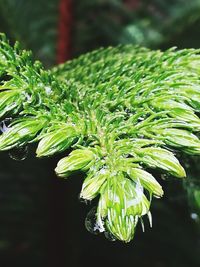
x=41, y=216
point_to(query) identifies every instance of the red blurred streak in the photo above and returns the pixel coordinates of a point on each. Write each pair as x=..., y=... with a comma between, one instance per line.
x=133, y=4
x=64, y=31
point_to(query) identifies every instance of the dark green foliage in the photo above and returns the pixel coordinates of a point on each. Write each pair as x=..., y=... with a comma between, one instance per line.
x=95, y=23
x=34, y=23
x=148, y=23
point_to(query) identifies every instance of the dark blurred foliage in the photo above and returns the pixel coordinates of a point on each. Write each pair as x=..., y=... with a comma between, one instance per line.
x=41, y=217
x=34, y=24
x=23, y=205
x=148, y=23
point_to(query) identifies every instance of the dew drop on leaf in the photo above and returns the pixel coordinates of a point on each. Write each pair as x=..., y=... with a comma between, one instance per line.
x=19, y=153
x=4, y=125
x=140, y=119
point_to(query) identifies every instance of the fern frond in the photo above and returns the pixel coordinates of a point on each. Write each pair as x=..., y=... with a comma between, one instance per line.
x=123, y=111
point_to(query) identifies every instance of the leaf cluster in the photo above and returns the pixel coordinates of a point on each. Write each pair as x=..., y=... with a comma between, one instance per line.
x=123, y=111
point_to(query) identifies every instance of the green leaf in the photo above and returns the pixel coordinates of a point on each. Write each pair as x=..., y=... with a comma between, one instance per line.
x=181, y=138
x=121, y=203
x=22, y=132
x=185, y=115
x=78, y=160
x=146, y=180
x=58, y=140
x=9, y=101
x=164, y=103
x=161, y=158
x=93, y=183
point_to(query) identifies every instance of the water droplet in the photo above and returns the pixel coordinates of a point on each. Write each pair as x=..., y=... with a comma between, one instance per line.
x=102, y=171
x=85, y=201
x=91, y=222
x=4, y=125
x=141, y=136
x=28, y=97
x=140, y=119
x=164, y=176
x=194, y=216
x=19, y=153
x=48, y=90
x=150, y=218
x=142, y=224
x=110, y=236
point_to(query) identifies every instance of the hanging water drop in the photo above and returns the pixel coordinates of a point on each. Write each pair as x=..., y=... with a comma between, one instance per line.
x=85, y=201
x=142, y=224
x=19, y=153
x=150, y=218
x=110, y=236
x=91, y=222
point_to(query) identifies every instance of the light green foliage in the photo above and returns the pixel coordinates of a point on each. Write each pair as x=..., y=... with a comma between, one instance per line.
x=146, y=180
x=121, y=110
x=22, y=132
x=58, y=139
x=79, y=159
